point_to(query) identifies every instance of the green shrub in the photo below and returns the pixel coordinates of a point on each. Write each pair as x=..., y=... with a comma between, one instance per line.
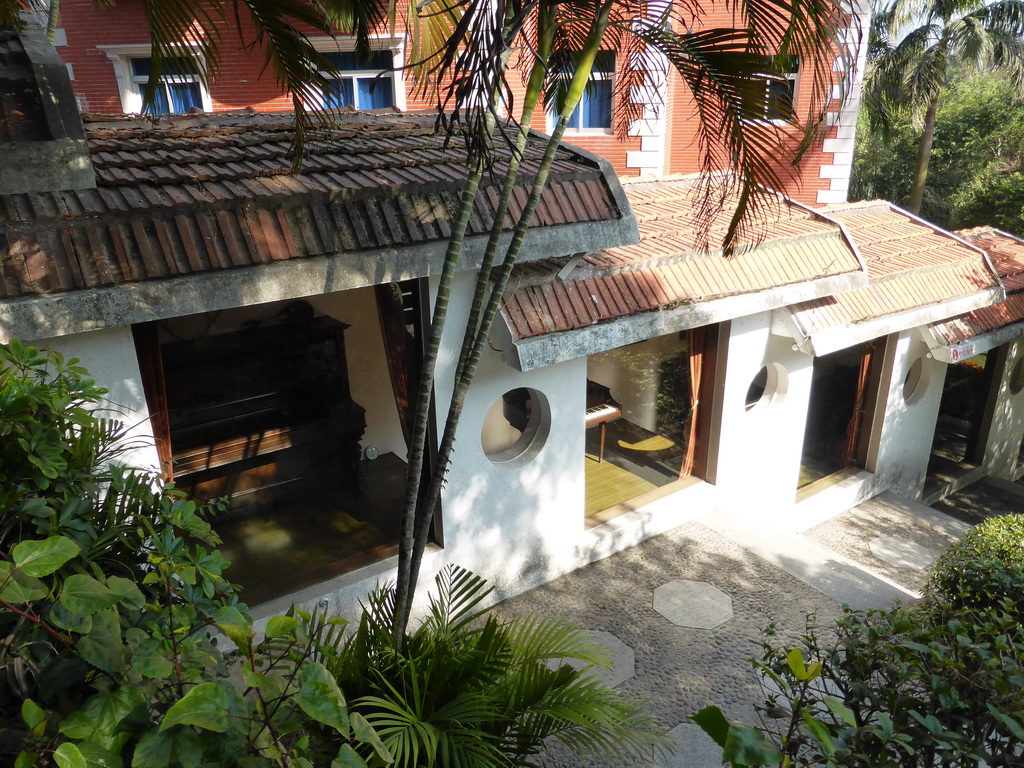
x=904, y=688
x=469, y=690
x=109, y=585
x=985, y=567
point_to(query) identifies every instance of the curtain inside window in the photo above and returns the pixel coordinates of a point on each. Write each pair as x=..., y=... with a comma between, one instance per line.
x=853, y=427
x=695, y=342
x=151, y=367
x=400, y=350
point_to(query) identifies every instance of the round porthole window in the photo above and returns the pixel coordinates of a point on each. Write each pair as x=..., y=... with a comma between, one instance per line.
x=916, y=382
x=1017, y=377
x=516, y=426
x=767, y=387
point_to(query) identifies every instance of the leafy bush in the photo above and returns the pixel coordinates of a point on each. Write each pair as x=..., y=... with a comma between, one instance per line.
x=109, y=584
x=984, y=568
x=905, y=688
x=467, y=689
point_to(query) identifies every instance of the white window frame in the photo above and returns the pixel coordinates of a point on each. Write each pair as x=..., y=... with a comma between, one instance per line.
x=132, y=88
x=552, y=117
x=793, y=76
x=377, y=43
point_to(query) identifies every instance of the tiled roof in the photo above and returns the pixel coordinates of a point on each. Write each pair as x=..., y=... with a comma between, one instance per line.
x=200, y=193
x=21, y=111
x=670, y=267
x=1007, y=255
x=910, y=264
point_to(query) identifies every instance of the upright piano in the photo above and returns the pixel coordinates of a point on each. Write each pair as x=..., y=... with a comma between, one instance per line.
x=601, y=408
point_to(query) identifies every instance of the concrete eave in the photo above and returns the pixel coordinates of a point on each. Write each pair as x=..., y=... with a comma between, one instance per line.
x=983, y=342
x=839, y=337
x=540, y=351
x=60, y=314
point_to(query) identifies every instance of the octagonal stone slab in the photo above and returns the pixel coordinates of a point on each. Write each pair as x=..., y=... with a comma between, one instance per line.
x=623, y=659
x=903, y=553
x=693, y=604
x=694, y=749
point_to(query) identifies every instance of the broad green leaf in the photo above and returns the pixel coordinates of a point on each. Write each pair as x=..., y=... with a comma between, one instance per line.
x=821, y=733
x=100, y=716
x=127, y=592
x=150, y=660
x=280, y=625
x=43, y=557
x=1009, y=722
x=252, y=679
x=795, y=659
x=347, y=758
x=32, y=714
x=102, y=646
x=745, y=746
x=204, y=706
x=179, y=748
x=70, y=620
x=320, y=697
x=364, y=732
x=840, y=710
x=713, y=723
x=98, y=757
x=84, y=594
x=19, y=588
x=26, y=760
x=67, y=755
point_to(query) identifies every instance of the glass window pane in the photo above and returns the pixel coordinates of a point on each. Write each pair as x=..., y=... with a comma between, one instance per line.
x=780, y=100
x=160, y=105
x=347, y=61
x=184, y=96
x=141, y=67
x=597, y=104
x=375, y=93
x=338, y=94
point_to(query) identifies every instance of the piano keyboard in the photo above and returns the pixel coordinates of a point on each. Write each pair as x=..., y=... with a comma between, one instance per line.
x=600, y=411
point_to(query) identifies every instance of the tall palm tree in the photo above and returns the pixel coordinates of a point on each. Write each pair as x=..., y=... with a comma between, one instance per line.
x=908, y=69
x=466, y=45
x=726, y=69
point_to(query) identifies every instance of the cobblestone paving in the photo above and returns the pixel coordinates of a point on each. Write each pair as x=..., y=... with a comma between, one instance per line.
x=850, y=534
x=680, y=670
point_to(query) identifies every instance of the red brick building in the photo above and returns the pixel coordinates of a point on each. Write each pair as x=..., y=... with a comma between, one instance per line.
x=106, y=49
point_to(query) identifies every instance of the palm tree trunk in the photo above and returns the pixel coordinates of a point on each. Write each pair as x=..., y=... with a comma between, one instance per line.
x=479, y=335
x=51, y=20
x=924, y=153
x=405, y=584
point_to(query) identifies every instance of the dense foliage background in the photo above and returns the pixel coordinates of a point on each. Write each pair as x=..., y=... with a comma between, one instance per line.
x=976, y=175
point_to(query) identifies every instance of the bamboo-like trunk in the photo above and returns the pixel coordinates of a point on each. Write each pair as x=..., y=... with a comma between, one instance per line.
x=480, y=333
x=924, y=154
x=405, y=586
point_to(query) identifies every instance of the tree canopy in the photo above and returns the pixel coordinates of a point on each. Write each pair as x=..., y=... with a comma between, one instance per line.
x=977, y=172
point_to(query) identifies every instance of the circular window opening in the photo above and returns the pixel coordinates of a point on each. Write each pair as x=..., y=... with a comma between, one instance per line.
x=916, y=383
x=768, y=386
x=1017, y=377
x=516, y=425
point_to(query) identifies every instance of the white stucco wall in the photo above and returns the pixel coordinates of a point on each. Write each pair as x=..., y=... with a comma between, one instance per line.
x=109, y=355
x=758, y=461
x=369, y=380
x=1002, y=445
x=905, y=438
x=514, y=523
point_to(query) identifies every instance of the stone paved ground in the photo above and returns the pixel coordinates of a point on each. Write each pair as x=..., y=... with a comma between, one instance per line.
x=852, y=532
x=679, y=669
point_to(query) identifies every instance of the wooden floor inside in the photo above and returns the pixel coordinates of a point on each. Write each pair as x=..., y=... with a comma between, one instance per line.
x=310, y=539
x=636, y=462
